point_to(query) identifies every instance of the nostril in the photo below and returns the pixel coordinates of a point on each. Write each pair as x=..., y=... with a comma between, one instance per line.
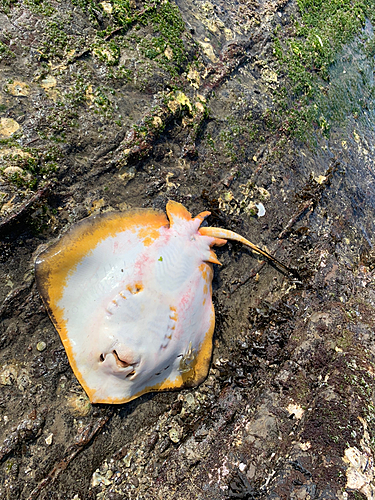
x=101, y=358
x=130, y=374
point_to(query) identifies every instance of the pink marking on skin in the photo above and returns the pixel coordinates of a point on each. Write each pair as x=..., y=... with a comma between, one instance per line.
x=140, y=264
x=147, y=258
x=186, y=298
x=185, y=303
x=183, y=307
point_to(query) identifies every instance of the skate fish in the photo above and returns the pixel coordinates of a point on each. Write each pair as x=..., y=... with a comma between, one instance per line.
x=130, y=295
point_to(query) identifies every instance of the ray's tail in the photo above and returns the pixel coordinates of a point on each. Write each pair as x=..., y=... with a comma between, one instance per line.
x=225, y=234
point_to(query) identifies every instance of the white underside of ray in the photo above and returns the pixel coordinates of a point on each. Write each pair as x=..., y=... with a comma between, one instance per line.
x=99, y=274
x=102, y=314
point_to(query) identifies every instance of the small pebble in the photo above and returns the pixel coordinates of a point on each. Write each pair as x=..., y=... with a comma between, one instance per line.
x=164, y=445
x=153, y=439
x=98, y=478
x=189, y=398
x=48, y=439
x=174, y=435
x=41, y=346
x=128, y=459
x=134, y=481
x=176, y=407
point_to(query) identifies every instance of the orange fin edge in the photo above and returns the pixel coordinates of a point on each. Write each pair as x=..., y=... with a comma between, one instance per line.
x=176, y=210
x=213, y=258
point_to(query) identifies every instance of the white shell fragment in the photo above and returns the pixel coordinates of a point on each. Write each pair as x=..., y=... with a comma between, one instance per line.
x=261, y=209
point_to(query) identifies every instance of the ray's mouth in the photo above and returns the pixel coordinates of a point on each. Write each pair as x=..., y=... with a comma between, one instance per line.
x=121, y=363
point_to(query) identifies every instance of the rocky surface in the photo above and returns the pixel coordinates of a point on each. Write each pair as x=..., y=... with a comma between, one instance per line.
x=111, y=105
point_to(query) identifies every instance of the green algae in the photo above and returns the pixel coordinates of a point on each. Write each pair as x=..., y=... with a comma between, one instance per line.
x=307, y=56
x=57, y=39
x=122, y=12
x=36, y=167
x=168, y=23
x=155, y=31
x=107, y=52
x=103, y=104
x=5, y=52
x=36, y=6
x=88, y=7
x=121, y=72
x=162, y=17
x=40, y=7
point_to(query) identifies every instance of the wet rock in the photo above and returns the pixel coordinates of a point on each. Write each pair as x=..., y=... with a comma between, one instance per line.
x=27, y=430
x=13, y=170
x=8, y=375
x=79, y=404
x=8, y=127
x=18, y=88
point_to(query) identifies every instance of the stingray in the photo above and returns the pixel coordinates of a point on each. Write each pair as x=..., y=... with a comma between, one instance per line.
x=130, y=295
